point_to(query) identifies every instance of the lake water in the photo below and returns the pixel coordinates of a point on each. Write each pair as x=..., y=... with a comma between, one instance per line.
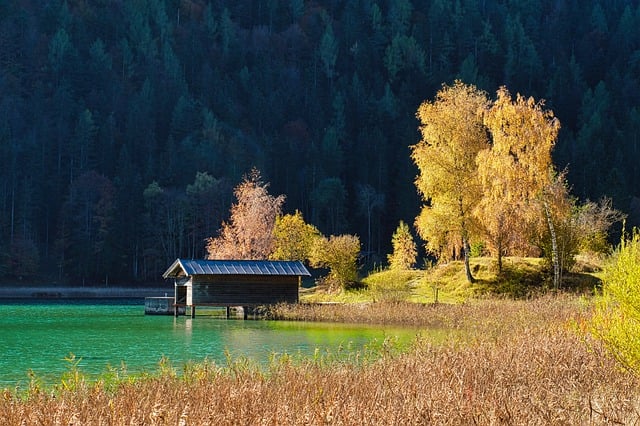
x=38, y=335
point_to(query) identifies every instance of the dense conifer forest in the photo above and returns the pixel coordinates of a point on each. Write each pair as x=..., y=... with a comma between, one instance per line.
x=125, y=125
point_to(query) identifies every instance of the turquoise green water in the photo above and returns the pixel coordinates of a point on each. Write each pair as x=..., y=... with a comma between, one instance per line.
x=38, y=336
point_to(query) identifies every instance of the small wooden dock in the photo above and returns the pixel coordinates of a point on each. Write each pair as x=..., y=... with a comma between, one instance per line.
x=163, y=305
x=230, y=312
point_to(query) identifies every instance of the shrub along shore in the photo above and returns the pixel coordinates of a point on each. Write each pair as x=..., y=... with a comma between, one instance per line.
x=511, y=362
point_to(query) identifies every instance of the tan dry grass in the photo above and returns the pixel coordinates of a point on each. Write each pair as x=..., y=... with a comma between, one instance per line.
x=522, y=365
x=491, y=314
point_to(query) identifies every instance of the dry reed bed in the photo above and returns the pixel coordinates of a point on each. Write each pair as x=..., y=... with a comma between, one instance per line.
x=490, y=314
x=536, y=370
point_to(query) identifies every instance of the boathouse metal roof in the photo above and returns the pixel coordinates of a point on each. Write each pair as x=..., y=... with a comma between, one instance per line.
x=189, y=267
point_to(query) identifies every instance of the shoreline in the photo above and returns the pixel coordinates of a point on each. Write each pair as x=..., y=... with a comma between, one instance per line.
x=75, y=292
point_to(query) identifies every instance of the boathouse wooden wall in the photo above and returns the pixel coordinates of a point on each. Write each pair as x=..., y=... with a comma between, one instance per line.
x=243, y=290
x=235, y=282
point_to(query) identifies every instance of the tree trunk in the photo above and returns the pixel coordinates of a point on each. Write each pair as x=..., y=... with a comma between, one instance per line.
x=554, y=247
x=467, y=268
x=500, y=256
x=466, y=249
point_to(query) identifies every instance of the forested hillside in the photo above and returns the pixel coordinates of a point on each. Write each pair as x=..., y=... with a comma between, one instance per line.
x=125, y=125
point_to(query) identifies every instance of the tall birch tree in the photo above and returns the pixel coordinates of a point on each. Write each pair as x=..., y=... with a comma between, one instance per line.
x=516, y=172
x=452, y=136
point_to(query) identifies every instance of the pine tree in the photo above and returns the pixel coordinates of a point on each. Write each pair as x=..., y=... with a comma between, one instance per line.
x=404, y=248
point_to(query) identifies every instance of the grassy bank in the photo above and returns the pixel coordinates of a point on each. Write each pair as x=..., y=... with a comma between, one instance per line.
x=520, y=278
x=518, y=362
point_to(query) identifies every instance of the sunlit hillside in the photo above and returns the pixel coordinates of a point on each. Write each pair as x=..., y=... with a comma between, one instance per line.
x=522, y=277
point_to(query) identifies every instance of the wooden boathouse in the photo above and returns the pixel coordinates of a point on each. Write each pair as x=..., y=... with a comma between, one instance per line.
x=228, y=283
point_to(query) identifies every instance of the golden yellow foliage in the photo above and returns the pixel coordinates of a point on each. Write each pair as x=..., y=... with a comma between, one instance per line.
x=293, y=237
x=452, y=135
x=515, y=170
x=340, y=254
x=404, y=249
x=617, y=317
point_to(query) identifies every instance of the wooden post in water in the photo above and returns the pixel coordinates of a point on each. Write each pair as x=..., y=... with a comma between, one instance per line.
x=193, y=311
x=228, y=312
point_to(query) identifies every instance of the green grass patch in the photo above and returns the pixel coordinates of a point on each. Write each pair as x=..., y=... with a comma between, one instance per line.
x=521, y=277
x=392, y=285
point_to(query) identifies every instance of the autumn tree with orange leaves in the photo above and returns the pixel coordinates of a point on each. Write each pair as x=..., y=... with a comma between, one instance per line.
x=249, y=232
